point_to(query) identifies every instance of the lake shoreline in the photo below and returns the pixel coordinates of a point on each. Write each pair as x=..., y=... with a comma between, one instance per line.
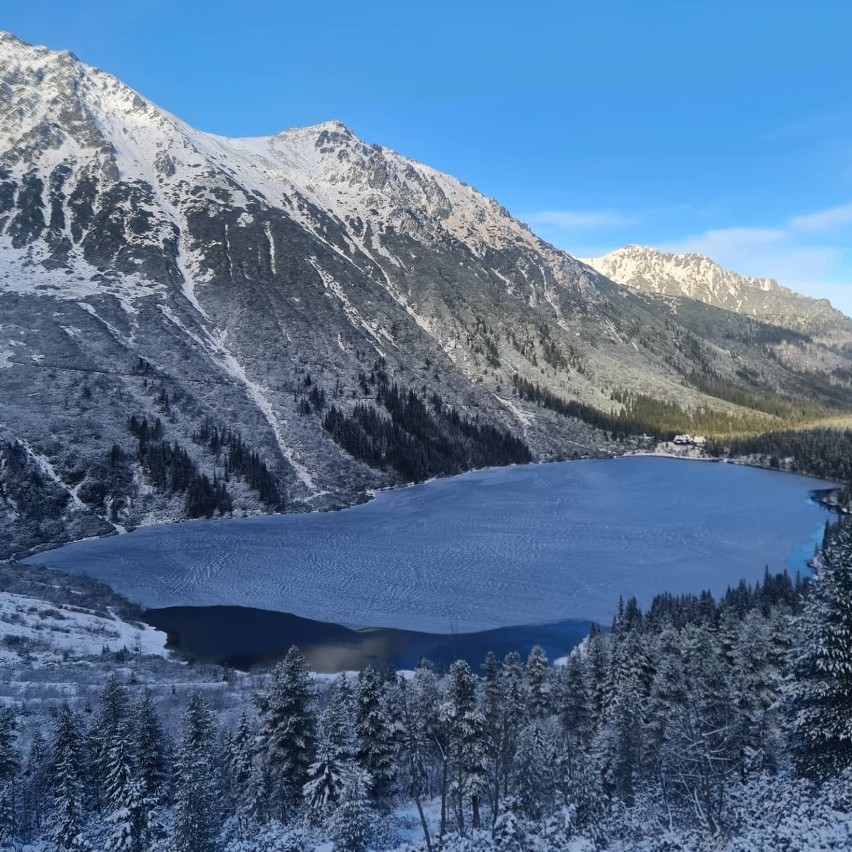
x=489, y=549
x=365, y=497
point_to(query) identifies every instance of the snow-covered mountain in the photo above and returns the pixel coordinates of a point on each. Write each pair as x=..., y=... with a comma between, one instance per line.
x=237, y=289
x=697, y=277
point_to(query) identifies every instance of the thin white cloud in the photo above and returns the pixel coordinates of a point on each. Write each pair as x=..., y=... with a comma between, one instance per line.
x=824, y=220
x=724, y=241
x=579, y=220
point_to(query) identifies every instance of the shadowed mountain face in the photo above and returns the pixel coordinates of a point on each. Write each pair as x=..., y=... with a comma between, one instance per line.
x=296, y=319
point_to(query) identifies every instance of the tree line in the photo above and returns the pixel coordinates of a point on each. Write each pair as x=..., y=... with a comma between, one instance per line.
x=239, y=460
x=826, y=453
x=664, y=727
x=170, y=468
x=419, y=438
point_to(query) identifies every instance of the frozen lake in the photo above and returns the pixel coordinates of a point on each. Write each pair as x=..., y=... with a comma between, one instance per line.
x=512, y=546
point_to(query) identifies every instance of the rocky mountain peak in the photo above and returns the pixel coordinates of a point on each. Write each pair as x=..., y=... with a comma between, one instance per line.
x=696, y=276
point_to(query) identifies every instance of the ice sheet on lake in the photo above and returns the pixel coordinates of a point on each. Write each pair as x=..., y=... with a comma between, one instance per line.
x=511, y=546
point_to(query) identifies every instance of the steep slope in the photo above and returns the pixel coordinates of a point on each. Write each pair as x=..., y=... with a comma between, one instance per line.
x=191, y=324
x=697, y=277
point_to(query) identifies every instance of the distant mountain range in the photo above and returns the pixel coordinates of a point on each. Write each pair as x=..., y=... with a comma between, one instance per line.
x=697, y=277
x=193, y=324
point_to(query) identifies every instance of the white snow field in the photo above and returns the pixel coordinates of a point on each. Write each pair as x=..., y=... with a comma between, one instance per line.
x=511, y=546
x=57, y=630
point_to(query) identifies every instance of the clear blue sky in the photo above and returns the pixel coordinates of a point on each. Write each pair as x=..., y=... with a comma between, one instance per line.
x=721, y=127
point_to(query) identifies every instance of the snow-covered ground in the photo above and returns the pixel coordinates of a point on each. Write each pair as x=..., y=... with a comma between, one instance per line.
x=48, y=631
x=524, y=545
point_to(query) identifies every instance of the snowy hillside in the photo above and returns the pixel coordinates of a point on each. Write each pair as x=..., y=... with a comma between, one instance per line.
x=48, y=632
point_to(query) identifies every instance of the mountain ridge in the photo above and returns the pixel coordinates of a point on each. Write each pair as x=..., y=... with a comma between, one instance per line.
x=308, y=310
x=696, y=276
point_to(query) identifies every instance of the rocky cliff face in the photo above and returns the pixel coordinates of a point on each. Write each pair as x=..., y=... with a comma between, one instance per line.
x=229, y=293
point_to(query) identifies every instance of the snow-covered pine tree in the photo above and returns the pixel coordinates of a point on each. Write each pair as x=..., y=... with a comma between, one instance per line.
x=597, y=660
x=666, y=709
x=151, y=747
x=427, y=702
x=623, y=739
x=533, y=772
x=322, y=789
x=133, y=821
x=492, y=714
x=513, y=695
x=757, y=685
x=575, y=709
x=68, y=814
x=7, y=815
x=118, y=768
x=706, y=733
x=339, y=717
x=35, y=787
x=374, y=734
x=9, y=766
x=241, y=764
x=287, y=732
x=336, y=748
x=510, y=830
x=821, y=690
x=130, y=809
x=111, y=716
x=538, y=683
x=415, y=750
x=196, y=817
x=467, y=742
x=354, y=818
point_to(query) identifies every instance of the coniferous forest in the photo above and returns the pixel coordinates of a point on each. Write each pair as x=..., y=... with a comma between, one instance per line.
x=697, y=724
x=417, y=438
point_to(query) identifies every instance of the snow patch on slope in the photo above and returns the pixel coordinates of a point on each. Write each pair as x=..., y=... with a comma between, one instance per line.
x=59, y=629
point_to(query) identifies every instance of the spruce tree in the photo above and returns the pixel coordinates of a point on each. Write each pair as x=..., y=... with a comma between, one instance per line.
x=151, y=748
x=576, y=708
x=821, y=691
x=415, y=750
x=130, y=809
x=36, y=775
x=111, y=717
x=196, y=817
x=374, y=735
x=510, y=829
x=322, y=789
x=534, y=762
x=338, y=719
x=287, y=732
x=538, y=683
x=241, y=764
x=467, y=742
x=354, y=817
x=68, y=787
x=9, y=766
x=513, y=691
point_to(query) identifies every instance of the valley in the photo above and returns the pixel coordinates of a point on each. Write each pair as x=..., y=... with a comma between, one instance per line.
x=340, y=511
x=347, y=318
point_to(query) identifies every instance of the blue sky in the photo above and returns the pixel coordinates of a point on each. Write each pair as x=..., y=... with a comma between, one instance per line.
x=720, y=127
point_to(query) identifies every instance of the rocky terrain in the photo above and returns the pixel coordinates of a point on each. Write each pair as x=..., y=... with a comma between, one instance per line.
x=193, y=325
